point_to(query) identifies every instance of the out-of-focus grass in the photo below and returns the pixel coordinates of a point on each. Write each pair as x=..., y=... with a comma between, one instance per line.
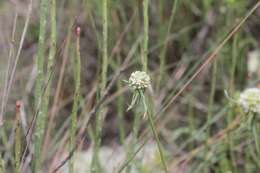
x=176, y=36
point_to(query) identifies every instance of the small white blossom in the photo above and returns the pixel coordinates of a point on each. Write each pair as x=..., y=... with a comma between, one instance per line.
x=139, y=80
x=250, y=100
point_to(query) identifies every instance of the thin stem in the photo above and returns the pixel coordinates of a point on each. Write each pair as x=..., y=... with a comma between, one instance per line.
x=163, y=52
x=17, y=139
x=120, y=102
x=234, y=62
x=10, y=56
x=158, y=142
x=2, y=165
x=130, y=158
x=256, y=139
x=146, y=34
x=58, y=88
x=253, y=125
x=99, y=119
x=212, y=94
x=40, y=121
x=9, y=85
x=232, y=90
x=73, y=125
x=105, y=55
x=155, y=134
x=50, y=61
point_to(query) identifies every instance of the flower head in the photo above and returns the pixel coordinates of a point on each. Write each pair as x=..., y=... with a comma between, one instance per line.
x=139, y=80
x=250, y=100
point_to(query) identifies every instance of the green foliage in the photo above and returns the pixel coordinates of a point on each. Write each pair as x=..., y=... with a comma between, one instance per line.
x=183, y=110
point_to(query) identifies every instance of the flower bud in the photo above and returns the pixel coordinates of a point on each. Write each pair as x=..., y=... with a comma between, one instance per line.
x=250, y=100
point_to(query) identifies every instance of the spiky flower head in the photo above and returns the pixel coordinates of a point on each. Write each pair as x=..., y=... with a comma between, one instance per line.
x=139, y=80
x=250, y=100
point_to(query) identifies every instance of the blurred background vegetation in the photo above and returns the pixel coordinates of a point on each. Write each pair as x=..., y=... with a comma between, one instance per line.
x=201, y=131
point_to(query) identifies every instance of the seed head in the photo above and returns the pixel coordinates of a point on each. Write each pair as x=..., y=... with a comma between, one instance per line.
x=18, y=105
x=139, y=80
x=78, y=31
x=250, y=100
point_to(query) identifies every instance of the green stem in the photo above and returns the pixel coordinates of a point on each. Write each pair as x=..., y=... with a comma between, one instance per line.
x=105, y=39
x=146, y=34
x=158, y=142
x=2, y=165
x=154, y=131
x=232, y=90
x=95, y=166
x=155, y=134
x=163, y=52
x=131, y=157
x=255, y=134
x=40, y=121
x=50, y=61
x=17, y=145
x=120, y=112
x=73, y=125
x=212, y=94
x=234, y=63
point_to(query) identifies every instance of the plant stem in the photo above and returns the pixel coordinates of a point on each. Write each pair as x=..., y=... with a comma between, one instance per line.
x=51, y=57
x=40, y=121
x=17, y=141
x=50, y=61
x=163, y=52
x=120, y=112
x=104, y=50
x=73, y=125
x=99, y=119
x=2, y=165
x=212, y=94
x=158, y=142
x=146, y=34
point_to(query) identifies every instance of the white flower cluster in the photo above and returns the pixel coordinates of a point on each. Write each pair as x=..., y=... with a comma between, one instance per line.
x=139, y=80
x=250, y=100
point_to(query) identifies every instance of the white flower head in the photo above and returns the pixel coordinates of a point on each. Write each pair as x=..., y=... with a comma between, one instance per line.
x=250, y=100
x=139, y=80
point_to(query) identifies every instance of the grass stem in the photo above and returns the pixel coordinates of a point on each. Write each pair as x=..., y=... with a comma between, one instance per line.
x=73, y=125
x=41, y=118
x=146, y=34
x=17, y=138
x=158, y=142
x=95, y=166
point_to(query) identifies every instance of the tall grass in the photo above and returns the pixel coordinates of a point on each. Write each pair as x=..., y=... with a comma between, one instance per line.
x=202, y=131
x=42, y=100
